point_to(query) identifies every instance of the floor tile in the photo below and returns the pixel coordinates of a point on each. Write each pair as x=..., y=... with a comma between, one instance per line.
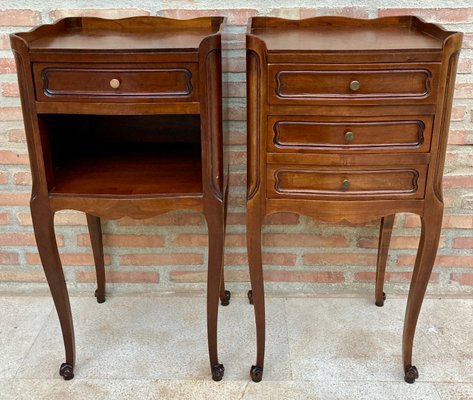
x=196, y=389
x=76, y=389
x=330, y=390
x=21, y=319
x=345, y=339
x=455, y=391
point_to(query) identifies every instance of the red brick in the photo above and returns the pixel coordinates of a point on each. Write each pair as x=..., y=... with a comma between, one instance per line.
x=22, y=178
x=14, y=199
x=3, y=177
x=236, y=138
x=467, y=40
x=304, y=276
x=236, y=218
x=465, y=65
x=7, y=65
x=16, y=136
x=393, y=277
x=162, y=259
x=4, y=219
x=8, y=258
x=303, y=240
x=339, y=259
x=22, y=276
x=458, y=181
x=439, y=15
x=463, y=243
x=98, y=12
x=234, y=89
x=201, y=276
x=237, y=179
x=119, y=277
x=79, y=259
x=462, y=279
x=125, y=240
x=4, y=42
x=458, y=113
x=11, y=114
x=237, y=158
x=234, y=16
x=13, y=157
x=464, y=91
x=234, y=64
x=460, y=137
x=397, y=242
x=282, y=219
x=15, y=17
x=268, y=259
x=23, y=239
x=192, y=240
x=449, y=221
x=234, y=112
x=10, y=89
x=70, y=218
x=354, y=12
x=171, y=219
x=440, y=261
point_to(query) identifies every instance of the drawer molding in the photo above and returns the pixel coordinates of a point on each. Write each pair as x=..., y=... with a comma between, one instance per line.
x=291, y=181
x=282, y=140
x=417, y=83
x=184, y=91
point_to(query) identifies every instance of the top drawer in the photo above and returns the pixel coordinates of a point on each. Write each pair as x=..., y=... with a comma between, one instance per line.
x=116, y=82
x=361, y=83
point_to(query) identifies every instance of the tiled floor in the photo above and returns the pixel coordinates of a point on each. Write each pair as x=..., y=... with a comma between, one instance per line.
x=155, y=348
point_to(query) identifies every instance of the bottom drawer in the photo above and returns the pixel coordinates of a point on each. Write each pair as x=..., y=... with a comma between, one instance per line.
x=364, y=182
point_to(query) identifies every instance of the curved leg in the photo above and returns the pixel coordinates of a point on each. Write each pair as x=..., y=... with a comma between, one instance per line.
x=253, y=237
x=431, y=225
x=43, y=224
x=385, y=232
x=95, y=232
x=216, y=244
x=225, y=295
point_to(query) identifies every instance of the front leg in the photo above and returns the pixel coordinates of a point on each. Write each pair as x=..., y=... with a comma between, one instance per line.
x=431, y=226
x=43, y=225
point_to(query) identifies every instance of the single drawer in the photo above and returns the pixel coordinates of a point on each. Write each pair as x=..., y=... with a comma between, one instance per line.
x=355, y=182
x=145, y=82
x=316, y=83
x=368, y=134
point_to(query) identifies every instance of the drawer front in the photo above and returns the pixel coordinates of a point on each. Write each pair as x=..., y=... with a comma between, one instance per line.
x=150, y=83
x=313, y=84
x=369, y=134
x=356, y=182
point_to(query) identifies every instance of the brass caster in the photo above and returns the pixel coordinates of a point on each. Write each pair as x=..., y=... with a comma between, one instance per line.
x=217, y=372
x=66, y=371
x=100, y=299
x=381, y=303
x=411, y=374
x=250, y=296
x=225, y=301
x=256, y=373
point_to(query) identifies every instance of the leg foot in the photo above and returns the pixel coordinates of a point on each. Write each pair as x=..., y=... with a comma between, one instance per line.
x=381, y=302
x=250, y=296
x=66, y=371
x=225, y=301
x=217, y=372
x=411, y=374
x=100, y=299
x=256, y=373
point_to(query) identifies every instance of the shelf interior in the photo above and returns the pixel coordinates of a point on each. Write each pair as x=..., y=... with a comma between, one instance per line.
x=103, y=155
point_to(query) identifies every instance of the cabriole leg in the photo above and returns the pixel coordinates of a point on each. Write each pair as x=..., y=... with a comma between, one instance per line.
x=95, y=232
x=385, y=232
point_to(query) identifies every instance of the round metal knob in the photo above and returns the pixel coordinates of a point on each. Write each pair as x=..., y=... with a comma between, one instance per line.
x=115, y=83
x=349, y=136
x=354, y=85
x=345, y=184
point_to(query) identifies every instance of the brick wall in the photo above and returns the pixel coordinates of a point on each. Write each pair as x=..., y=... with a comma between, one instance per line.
x=169, y=252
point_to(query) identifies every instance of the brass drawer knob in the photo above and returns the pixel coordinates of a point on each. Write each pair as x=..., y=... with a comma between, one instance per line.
x=346, y=184
x=349, y=136
x=115, y=83
x=354, y=85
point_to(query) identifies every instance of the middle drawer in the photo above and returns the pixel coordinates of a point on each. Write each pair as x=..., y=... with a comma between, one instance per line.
x=302, y=134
